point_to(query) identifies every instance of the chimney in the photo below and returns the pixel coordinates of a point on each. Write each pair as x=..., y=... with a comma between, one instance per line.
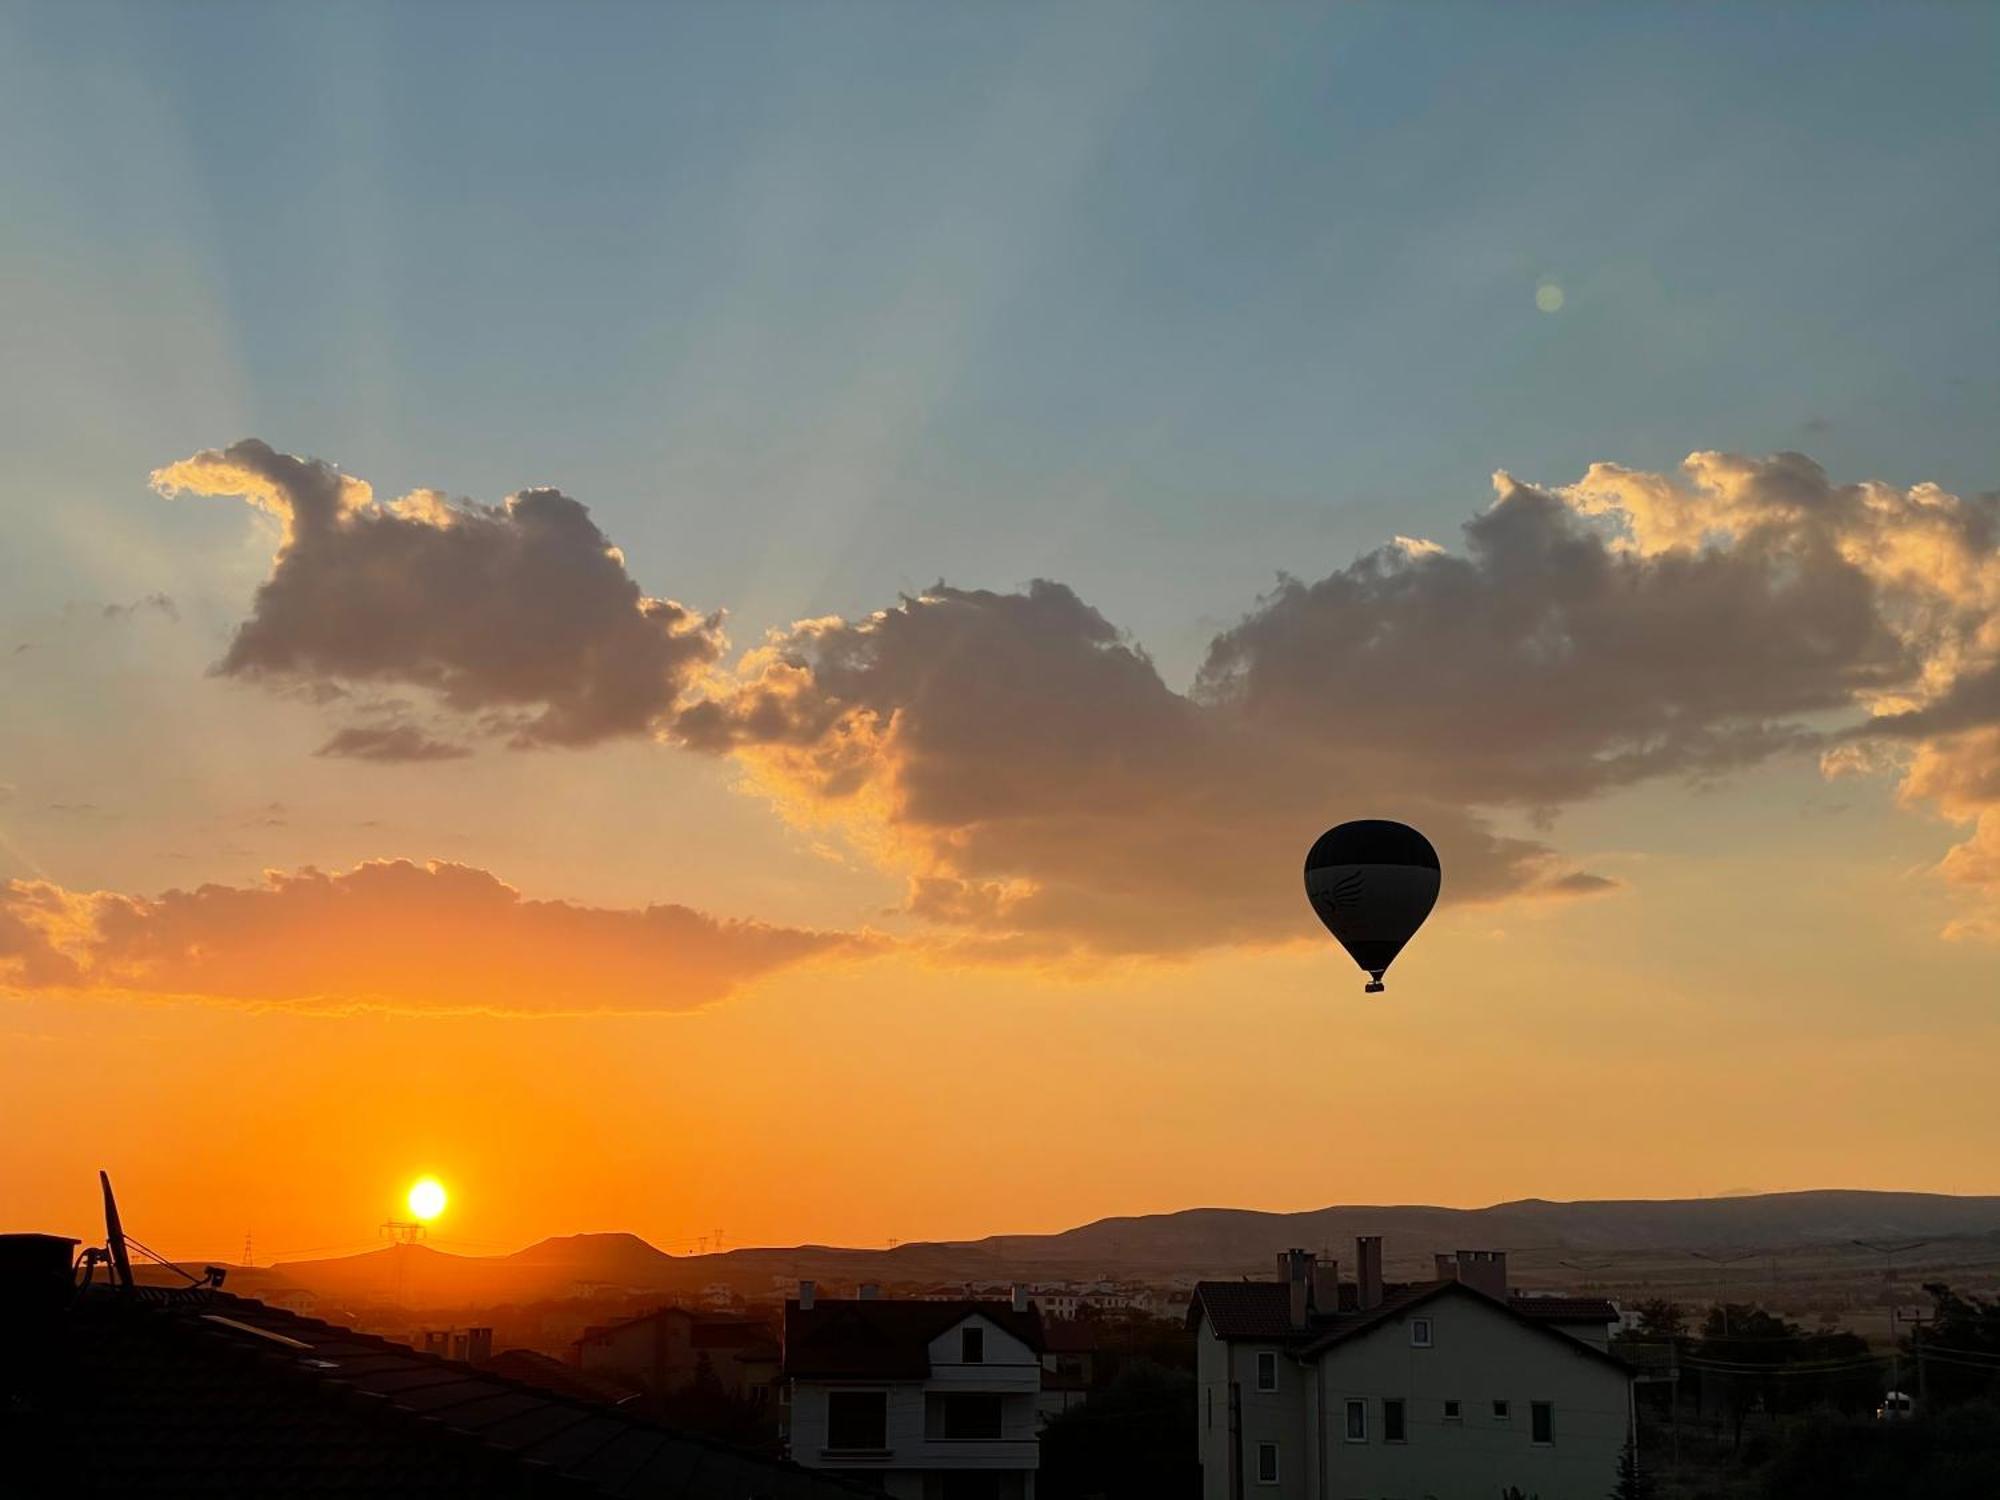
x=1020, y=1297
x=1368, y=1269
x=805, y=1296
x=1326, y=1286
x=1295, y=1271
x=1444, y=1266
x=35, y=1275
x=1484, y=1271
x=870, y=1291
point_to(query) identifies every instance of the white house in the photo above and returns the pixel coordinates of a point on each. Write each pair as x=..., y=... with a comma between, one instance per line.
x=1451, y=1389
x=927, y=1400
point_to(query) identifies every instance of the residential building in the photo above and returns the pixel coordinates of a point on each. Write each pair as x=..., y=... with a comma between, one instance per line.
x=923, y=1399
x=1069, y=1354
x=671, y=1349
x=1315, y=1389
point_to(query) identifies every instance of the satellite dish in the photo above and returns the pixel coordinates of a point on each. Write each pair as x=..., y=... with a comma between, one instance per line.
x=1372, y=883
x=114, y=1234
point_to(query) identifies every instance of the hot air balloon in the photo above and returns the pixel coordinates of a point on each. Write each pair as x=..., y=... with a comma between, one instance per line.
x=1372, y=883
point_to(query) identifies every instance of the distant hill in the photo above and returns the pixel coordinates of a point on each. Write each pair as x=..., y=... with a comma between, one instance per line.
x=1545, y=1238
x=1216, y=1239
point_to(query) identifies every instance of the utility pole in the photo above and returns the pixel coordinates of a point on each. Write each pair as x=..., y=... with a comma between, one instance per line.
x=1889, y=1252
x=246, y=1249
x=1724, y=1262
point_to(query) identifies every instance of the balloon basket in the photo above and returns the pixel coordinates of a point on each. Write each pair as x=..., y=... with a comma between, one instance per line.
x=1373, y=987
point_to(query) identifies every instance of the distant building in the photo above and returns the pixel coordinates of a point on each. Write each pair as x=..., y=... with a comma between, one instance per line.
x=1069, y=1355
x=473, y=1346
x=1311, y=1388
x=139, y=1390
x=671, y=1349
x=922, y=1399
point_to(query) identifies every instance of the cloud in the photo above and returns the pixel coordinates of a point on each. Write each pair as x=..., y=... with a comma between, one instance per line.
x=390, y=935
x=158, y=604
x=1039, y=782
x=520, y=616
x=388, y=743
x=1026, y=766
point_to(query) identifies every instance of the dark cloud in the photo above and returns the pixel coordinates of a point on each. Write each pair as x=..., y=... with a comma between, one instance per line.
x=390, y=935
x=394, y=742
x=158, y=604
x=521, y=615
x=1035, y=776
x=1039, y=782
x=1548, y=664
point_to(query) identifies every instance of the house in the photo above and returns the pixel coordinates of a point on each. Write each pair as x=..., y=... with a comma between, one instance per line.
x=672, y=1349
x=1315, y=1389
x=925, y=1400
x=1069, y=1354
x=137, y=1390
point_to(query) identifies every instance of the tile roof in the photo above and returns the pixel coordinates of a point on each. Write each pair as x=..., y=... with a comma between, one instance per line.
x=1565, y=1309
x=884, y=1338
x=1418, y=1294
x=151, y=1392
x=1261, y=1310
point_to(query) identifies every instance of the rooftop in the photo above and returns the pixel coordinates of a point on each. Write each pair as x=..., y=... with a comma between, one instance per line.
x=146, y=1390
x=885, y=1338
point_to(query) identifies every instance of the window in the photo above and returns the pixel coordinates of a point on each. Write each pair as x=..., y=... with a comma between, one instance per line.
x=1267, y=1463
x=857, y=1421
x=962, y=1416
x=1392, y=1421
x=1499, y=1411
x=972, y=1346
x=1357, y=1421
x=1541, y=1422
x=1267, y=1370
x=1420, y=1333
x=1451, y=1412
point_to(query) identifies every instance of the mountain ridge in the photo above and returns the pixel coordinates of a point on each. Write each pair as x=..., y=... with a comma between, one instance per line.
x=1181, y=1244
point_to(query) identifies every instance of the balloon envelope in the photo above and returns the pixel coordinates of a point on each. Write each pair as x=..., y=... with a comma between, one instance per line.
x=1372, y=883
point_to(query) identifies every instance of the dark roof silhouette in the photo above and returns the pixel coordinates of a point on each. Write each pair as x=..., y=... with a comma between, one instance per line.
x=149, y=1391
x=880, y=1338
x=1261, y=1310
x=706, y=1330
x=1565, y=1309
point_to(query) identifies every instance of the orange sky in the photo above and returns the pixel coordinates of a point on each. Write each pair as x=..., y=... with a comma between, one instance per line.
x=740, y=618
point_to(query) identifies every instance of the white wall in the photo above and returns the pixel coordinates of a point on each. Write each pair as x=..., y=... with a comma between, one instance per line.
x=1478, y=1353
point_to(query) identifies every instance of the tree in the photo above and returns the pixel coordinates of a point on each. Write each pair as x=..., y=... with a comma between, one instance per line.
x=1961, y=1346
x=1634, y=1483
x=1133, y=1440
x=1660, y=1318
x=1755, y=1359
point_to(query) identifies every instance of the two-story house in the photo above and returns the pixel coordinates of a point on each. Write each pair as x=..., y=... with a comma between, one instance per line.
x=673, y=1348
x=1311, y=1388
x=927, y=1400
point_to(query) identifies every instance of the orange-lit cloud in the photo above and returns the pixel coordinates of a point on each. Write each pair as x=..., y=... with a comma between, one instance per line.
x=520, y=615
x=1044, y=790
x=390, y=935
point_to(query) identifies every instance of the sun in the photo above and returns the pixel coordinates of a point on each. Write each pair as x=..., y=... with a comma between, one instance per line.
x=427, y=1199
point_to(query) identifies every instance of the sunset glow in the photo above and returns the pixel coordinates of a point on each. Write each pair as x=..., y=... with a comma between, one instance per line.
x=733, y=623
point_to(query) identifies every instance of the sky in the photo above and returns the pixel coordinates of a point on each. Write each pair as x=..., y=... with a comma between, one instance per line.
x=736, y=618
